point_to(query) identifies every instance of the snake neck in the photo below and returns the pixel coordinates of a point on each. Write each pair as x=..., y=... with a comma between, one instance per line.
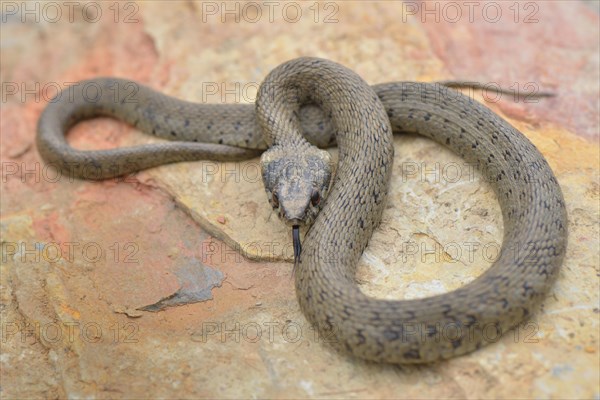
x=359, y=129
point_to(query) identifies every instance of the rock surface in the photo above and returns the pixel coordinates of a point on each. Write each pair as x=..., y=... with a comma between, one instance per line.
x=173, y=282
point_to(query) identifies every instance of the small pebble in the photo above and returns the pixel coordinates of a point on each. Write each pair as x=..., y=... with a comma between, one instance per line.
x=590, y=349
x=221, y=219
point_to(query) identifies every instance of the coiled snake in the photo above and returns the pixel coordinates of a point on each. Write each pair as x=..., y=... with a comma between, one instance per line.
x=330, y=103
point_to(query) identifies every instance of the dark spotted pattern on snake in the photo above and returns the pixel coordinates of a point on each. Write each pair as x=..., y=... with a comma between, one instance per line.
x=329, y=103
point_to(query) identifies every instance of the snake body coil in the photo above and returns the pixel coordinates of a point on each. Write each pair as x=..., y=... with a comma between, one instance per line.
x=361, y=118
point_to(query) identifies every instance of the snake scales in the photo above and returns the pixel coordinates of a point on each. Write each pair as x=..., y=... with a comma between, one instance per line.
x=330, y=103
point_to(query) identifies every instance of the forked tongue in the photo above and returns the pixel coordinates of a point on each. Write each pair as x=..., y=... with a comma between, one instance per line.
x=297, y=245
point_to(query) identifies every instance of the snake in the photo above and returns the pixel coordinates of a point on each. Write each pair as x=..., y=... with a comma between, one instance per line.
x=309, y=103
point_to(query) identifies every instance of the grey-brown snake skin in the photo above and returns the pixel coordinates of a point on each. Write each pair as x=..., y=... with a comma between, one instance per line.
x=363, y=118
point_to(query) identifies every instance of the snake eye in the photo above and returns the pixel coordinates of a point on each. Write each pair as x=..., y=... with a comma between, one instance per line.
x=315, y=198
x=275, y=200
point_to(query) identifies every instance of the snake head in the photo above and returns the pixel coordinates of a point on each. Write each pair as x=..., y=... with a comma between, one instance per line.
x=296, y=181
